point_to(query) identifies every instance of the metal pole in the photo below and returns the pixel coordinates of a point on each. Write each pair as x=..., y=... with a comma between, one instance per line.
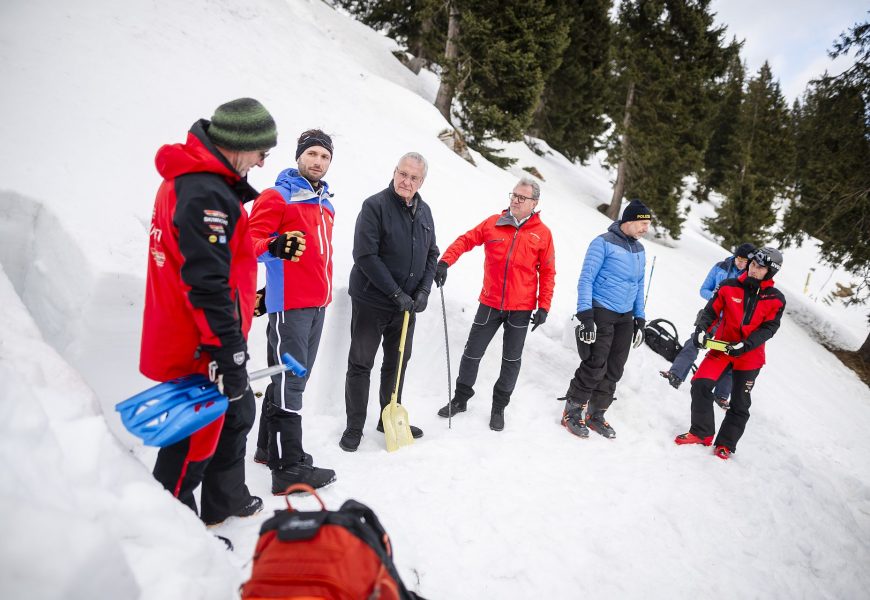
x=649, y=281
x=449, y=377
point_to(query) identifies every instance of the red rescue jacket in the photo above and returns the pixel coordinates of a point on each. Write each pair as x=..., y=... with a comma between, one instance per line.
x=740, y=313
x=202, y=272
x=519, y=267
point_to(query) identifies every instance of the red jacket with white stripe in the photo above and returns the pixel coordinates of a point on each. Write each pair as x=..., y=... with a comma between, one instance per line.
x=519, y=267
x=294, y=205
x=202, y=272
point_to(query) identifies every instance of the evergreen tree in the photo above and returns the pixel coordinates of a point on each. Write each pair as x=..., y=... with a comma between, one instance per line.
x=763, y=169
x=506, y=51
x=832, y=199
x=668, y=58
x=570, y=115
x=723, y=149
x=832, y=196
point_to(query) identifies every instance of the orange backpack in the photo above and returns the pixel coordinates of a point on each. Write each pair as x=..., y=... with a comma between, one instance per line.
x=334, y=555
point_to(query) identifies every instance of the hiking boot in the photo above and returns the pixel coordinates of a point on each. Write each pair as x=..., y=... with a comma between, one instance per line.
x=416, y=432
x=300, y=473
x=350, y=440
x=722, y=452
x=496, y=419
x=597, y=424
x=456, y=406
x=253, y=506
x=691, y=438
x=672, y=379
x=574, y=422
x=722, y=402
x=261, y=456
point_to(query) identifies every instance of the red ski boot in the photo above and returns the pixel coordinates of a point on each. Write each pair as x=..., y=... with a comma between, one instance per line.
x=722, y=452
x=691, y=438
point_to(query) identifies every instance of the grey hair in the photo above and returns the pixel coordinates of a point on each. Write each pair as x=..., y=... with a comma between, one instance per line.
x=415, y=156
x=536, y=189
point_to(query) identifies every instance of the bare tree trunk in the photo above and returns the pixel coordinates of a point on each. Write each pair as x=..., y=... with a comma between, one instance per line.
x=619, y=186
x=444, y=99
x=864, y=350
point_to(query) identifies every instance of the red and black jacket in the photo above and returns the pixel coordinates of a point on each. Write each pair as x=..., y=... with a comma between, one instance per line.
x=741, y=312
x=202, y=271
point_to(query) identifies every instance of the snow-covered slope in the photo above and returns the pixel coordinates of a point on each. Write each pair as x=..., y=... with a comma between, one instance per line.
x=93, y=88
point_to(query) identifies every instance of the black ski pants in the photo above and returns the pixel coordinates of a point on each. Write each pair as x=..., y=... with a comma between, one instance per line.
x=734, y=423
x=595, y=379
x=184, y=465
x=486, y=323
x=298, y=333
x=371, y=327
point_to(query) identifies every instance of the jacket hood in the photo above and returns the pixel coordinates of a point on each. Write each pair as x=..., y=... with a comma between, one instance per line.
x=292, y=181
x=197, y=155
x=614, y=228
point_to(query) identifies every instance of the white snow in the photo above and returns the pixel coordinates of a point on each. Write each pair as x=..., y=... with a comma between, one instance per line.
x=92, y=89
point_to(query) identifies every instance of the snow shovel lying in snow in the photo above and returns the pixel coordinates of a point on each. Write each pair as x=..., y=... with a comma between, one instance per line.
x=169, y=412
x=397, y=428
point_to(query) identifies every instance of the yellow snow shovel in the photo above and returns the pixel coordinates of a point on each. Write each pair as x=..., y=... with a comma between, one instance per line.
x=397, y=428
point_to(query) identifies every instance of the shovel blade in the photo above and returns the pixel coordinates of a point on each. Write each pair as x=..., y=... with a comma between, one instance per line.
x=397, y=427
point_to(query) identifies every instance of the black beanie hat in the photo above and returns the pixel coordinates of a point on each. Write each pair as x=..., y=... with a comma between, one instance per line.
x=313, y=137
x=243, y=125
x=635, y=211
x=744, y=250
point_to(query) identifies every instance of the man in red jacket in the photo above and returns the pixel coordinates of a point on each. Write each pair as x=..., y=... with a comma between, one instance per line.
x=744, y=313
x=291, y=225
x=519, y=271
x=199, y=297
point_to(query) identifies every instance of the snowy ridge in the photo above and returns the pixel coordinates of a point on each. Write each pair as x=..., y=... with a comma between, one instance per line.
x=529, y=512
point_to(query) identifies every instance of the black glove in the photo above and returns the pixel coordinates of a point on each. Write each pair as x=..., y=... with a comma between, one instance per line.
x=260, y=303
x=585, y=331
x=441, y=273
x=402, y=300
x=421, y=299
x=637, y=337
x=232, y=375
x=288, y=246
x=699, y=338
x=737, y=348
x=539, y=318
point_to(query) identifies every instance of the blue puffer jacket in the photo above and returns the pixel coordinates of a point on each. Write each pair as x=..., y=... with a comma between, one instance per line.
x=719, y=273
x=613, y=274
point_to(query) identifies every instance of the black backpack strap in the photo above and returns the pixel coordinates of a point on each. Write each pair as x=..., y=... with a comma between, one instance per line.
x=657, y=323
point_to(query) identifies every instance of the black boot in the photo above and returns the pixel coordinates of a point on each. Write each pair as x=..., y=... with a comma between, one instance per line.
x=572, y=418
x=597, y=424
x=300, y=473
x=496, y=419
x=350, y=439
x=416, y=432
x=456, y=406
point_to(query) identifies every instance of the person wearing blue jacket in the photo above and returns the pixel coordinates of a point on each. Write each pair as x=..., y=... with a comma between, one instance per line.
x=610, y=312
x=729, y=268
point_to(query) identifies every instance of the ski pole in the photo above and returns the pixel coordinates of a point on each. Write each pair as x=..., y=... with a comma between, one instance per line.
x=449, y=378
x=649, y=283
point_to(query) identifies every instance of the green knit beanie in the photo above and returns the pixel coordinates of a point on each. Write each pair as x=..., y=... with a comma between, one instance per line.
x=243, y=125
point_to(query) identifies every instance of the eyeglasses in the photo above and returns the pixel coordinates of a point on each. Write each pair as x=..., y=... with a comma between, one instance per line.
x=519, y=197
x=264, y=154
x=415, y=179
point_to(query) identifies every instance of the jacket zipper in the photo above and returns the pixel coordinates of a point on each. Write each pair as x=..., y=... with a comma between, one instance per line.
x=506, y=264
x=321, y=237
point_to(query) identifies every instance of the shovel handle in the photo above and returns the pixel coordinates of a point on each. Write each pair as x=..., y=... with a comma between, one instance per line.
x=288, y=364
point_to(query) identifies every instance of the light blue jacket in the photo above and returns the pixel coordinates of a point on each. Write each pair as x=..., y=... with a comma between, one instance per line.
x=719, y=273
x=613, y=274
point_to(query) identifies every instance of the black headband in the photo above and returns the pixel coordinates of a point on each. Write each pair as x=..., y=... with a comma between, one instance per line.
x=308, y=142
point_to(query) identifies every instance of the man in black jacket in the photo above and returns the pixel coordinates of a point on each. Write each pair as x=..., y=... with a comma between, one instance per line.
x=394, y=257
